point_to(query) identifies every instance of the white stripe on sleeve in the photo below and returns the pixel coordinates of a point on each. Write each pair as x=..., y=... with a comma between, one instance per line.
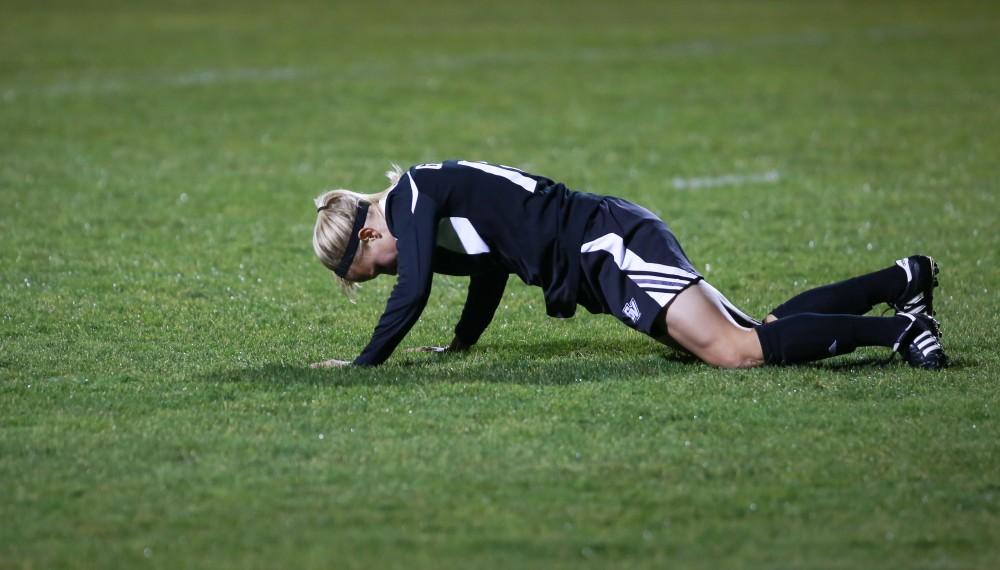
x=413, y=190
x=472, y=242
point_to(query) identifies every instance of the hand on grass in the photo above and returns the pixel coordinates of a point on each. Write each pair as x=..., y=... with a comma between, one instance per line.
x=456, y=346
x=332, y=363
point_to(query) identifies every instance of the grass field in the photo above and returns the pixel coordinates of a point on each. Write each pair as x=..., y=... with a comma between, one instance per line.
x=160, y=303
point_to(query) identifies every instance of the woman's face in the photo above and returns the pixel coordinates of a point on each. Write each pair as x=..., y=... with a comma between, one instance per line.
x=377, y=252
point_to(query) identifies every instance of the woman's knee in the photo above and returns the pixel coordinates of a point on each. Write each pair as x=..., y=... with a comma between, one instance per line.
x=699, y=323
x=737, y=351
x=732, y=359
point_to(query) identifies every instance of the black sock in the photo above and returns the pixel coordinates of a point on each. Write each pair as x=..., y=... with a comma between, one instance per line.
x=812, y=336
x=854, y=296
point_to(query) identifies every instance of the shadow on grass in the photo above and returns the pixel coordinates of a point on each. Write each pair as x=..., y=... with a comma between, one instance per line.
x=851, y=365
x=536, y=363
x=557, y=362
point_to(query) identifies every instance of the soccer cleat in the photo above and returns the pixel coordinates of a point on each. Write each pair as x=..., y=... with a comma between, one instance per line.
x=921, y=279
x=920, y=343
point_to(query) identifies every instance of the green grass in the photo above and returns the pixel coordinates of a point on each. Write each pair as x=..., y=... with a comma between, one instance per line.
x=159, y=301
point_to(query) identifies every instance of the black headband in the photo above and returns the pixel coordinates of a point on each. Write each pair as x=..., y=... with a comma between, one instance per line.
x=360, y=216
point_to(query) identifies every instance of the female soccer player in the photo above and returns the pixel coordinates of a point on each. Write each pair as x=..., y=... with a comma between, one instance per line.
x=487, y=221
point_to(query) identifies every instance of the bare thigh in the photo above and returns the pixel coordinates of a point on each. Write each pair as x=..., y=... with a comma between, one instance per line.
x=699, y=323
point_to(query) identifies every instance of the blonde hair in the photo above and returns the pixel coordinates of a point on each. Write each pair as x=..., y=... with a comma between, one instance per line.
x=335, y=211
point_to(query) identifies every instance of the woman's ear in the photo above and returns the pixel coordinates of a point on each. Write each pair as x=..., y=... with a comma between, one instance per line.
x=367, y=234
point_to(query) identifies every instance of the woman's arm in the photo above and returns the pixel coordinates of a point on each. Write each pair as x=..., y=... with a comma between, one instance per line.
x=485, y=292
x=415, y=228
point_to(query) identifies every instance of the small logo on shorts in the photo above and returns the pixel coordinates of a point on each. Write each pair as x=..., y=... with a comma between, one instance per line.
x=631, y=310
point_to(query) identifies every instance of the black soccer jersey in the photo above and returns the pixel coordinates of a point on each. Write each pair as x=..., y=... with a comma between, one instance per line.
x=485, y=221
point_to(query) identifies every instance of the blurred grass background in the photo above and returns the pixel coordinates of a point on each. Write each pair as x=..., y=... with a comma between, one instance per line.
x=160, y=300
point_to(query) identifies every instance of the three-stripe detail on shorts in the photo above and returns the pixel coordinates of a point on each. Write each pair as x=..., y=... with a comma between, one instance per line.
x=660, y=282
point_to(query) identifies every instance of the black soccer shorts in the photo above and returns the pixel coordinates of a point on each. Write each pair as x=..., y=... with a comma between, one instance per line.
x=633, y=267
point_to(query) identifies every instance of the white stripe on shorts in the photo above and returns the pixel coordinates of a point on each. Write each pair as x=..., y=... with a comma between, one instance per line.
x=629, y=262
x=734, y=313
x=662, y=282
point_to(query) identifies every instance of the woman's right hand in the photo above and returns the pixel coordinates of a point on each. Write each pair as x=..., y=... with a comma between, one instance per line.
x=332, y=363
x=456, y=346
